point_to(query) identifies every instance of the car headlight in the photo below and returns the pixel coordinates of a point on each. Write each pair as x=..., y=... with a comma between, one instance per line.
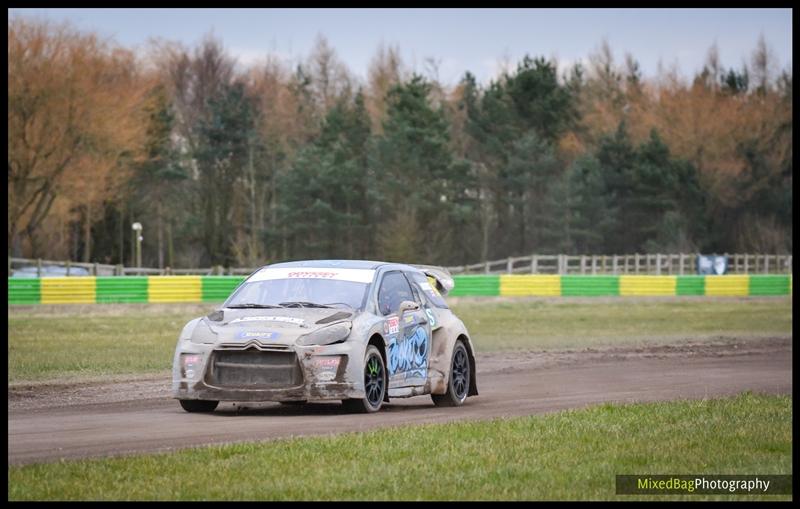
x=327, y=335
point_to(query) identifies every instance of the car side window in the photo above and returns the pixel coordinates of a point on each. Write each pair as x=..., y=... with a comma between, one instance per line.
x=418, y=298
x=394, y=290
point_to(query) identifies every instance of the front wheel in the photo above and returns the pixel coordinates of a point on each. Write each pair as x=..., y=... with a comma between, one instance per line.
x=375, y=381
x=198, y=405
x=458, y=385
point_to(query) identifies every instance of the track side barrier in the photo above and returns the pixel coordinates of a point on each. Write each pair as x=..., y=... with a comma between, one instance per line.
x=133, y=289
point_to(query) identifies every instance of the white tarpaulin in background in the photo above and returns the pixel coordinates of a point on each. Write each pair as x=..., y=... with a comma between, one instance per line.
x=712, y=264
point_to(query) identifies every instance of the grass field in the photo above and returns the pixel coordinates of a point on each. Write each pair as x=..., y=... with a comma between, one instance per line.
x=71, y=342
x=570, y=455
x=590, y=322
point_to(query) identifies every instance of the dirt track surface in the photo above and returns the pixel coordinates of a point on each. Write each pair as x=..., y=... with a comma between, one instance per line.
x=50, y=422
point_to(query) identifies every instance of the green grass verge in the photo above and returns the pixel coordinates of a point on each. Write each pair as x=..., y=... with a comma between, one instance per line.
x=84, y=341
x=570, y=455
x=93, y=341
x=619, y=321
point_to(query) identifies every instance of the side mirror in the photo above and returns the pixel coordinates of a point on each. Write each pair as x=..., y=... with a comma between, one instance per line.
x=408, y=305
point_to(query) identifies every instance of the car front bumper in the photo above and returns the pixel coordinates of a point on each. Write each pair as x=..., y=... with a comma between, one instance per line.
x=254, y=374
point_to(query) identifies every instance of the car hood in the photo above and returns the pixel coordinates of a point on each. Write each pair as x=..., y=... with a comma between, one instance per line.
x=268, y=326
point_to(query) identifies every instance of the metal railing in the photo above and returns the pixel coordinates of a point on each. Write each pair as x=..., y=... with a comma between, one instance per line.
x=40, y=267
x=653, y=264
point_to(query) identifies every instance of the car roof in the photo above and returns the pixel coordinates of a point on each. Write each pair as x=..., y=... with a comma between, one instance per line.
x=343, y=264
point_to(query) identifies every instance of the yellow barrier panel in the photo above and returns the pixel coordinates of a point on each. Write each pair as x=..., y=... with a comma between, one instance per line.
x=727, y=285
x=174, y=289
x=647, y=285
x=68, y=290
x=530, y=285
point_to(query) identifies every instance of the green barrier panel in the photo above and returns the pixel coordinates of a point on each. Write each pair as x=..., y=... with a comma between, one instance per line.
x=218, y=288
x=769, y=285
x=121, y=289
x=475, y=285
x=24, y=290
x=577, y=286
x=691, y=285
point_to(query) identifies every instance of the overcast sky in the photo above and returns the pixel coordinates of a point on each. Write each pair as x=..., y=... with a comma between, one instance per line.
x=477, y=40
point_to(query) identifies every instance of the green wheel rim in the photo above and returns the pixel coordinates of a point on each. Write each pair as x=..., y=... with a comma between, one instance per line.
x=374, y=380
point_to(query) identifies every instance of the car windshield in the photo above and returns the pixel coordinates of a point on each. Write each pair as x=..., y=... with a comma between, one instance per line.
x=301, y=289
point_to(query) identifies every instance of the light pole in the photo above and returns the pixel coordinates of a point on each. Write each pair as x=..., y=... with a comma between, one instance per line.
x=137, y=227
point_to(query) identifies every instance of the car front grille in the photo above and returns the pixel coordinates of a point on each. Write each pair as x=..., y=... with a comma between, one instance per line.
x=254, y=369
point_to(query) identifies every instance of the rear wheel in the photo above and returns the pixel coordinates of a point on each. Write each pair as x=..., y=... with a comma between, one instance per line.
x=198, y=405
x=458, y=385
x=374, y=384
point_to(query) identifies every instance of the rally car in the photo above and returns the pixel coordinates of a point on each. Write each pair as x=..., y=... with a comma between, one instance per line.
x=357, y=331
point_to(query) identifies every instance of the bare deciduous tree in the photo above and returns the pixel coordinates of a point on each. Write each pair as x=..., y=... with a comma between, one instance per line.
x=73, y=125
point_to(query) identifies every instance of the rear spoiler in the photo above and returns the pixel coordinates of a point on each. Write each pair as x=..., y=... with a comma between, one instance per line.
x=444, y=281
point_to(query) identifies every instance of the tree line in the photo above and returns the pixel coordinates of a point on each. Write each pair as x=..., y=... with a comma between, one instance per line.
x=241, y=165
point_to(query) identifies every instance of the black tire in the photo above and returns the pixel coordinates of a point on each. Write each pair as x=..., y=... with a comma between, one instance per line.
x=458, y=383
x=375, y=384
x=198, y=405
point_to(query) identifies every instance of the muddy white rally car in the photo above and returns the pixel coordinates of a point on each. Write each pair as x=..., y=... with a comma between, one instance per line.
x=356, y=331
